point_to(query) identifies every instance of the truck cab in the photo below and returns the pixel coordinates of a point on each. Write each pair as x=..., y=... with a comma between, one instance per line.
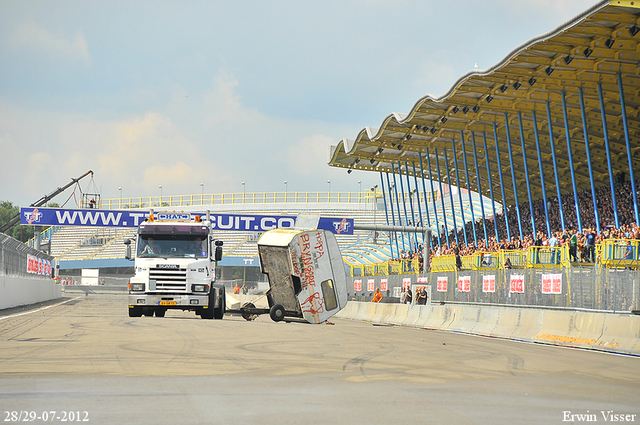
x=175, y=267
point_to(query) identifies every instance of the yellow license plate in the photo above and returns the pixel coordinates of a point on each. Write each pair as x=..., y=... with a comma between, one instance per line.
x=167, y=303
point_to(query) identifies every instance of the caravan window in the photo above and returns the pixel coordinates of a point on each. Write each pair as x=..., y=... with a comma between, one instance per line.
x=329, y=292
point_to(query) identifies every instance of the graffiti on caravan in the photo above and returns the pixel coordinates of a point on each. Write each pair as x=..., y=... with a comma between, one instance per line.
x=132, y=218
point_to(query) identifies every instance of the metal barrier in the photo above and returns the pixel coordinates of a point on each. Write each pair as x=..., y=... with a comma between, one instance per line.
x=14, y=257
x=589, y=287
x=620, y=253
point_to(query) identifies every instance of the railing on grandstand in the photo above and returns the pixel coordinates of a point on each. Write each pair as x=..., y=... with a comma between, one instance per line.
x=611, y=253
x=364, y=197
x=393, y=267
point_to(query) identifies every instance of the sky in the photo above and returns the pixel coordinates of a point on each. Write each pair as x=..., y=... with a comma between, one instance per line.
x=178, y=94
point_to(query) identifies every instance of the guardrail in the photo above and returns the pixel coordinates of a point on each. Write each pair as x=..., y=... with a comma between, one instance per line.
x=363, y=197
x=393, y=267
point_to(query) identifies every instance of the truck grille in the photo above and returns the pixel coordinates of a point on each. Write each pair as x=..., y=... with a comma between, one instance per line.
x=169, y=280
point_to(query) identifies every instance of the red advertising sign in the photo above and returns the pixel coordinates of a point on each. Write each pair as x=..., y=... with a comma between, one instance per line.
x=423, y=280
x=357, y=285
x=371, y=285
x=464, y=283
x=552, y=284
x=489, y=283
x=442, y=284
x=517, y=283
x=384, y=285
x=406, y=282
x=37, y=265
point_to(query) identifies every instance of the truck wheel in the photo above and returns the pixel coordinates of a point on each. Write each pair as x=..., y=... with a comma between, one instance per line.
x=245, y=314
x=277, y=313
x=147, y=311
x=218, y=313
x=135, y=311
x=160, y=312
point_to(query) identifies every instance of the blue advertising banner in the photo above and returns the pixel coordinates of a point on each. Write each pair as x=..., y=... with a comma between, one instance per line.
x=132, y=218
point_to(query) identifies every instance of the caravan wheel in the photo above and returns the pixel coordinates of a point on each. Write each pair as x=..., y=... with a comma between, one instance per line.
x=276, y=313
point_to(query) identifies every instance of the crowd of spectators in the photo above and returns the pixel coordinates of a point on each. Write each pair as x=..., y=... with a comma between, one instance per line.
x=627, y=229
x=581, y=243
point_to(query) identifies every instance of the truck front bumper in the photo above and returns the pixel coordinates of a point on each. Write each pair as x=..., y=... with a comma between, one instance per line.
x=169, y=301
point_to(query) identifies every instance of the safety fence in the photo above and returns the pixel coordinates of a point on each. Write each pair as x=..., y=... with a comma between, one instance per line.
x=583, y=287
x=18, y=259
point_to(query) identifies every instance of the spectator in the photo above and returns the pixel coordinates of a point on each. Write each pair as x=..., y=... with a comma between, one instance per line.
x=377, y=296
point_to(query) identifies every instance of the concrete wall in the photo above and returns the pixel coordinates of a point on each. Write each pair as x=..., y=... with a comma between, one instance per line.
x=19, y=290
x=612, y=332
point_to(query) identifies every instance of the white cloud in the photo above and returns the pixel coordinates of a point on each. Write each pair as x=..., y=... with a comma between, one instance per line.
x=30, y=35
x=309, y=156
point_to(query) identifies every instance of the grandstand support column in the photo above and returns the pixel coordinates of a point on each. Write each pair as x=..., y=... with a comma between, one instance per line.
x=475, y=160
x=493, y=201
x=570, y=155
x=415, y=181
x=393, y=218
x=444, y=211
x=404, y=204
x=555, y=166
x=455, y=166
x=466, y=172
x=413, y=216
x=36, y=237
x=526, y=176
x=513, y=174
x=426, y=202
x=504, y=198
x=586, y=146
x=542, y=186
x=395, y=190
x=606, y=144
x=386, y=212
x=629, y=157
x=453, y=210
x=433, y=198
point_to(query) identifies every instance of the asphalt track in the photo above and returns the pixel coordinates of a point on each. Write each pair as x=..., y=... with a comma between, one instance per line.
x=87, y=355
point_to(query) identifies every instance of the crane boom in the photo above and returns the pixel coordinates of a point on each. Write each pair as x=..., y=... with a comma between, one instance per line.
x=42, y=201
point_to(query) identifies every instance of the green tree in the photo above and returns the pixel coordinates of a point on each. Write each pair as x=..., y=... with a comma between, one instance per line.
x=7, y=212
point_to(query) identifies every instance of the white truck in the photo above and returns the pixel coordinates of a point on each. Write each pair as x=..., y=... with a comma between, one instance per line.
x=175, y=267
x=306, y=274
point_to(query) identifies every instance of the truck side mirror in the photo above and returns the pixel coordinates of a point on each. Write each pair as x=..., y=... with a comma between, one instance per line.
x=218, y=254
x=127, y=254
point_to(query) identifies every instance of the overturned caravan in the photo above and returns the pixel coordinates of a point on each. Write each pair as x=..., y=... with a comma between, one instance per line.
x=306, y=275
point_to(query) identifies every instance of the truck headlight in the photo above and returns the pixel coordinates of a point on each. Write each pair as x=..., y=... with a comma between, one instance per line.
x=199, y=288
x=137, y=287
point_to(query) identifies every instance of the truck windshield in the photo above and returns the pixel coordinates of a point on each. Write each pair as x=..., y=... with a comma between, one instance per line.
x=159, y=245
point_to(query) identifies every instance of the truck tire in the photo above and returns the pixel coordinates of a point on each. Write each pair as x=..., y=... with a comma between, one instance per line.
x=135, y=311
x=160, y=312
x=208, y=313
x=218, y=313
x=147, y=311
x=276, y=313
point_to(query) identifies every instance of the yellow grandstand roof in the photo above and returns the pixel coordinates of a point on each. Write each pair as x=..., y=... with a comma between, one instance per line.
x=586, y=57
